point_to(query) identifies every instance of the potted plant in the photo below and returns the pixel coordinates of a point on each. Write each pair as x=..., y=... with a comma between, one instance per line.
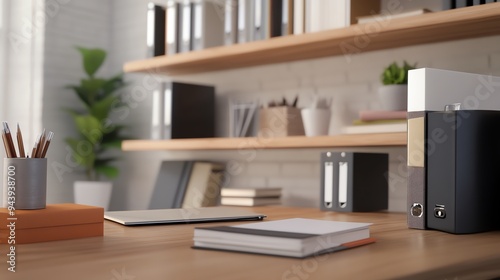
x=97, y=133
x=394, y=92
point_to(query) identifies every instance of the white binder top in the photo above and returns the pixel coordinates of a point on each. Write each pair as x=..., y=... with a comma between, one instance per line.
x=432, y=89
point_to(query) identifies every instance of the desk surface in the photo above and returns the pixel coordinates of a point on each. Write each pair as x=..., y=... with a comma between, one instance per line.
x=163, y=252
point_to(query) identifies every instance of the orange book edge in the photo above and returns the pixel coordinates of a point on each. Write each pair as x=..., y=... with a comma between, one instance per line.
x=346, y=246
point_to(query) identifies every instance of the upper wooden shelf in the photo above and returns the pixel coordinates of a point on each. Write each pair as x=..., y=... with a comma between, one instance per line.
x=470, y=22
x=291, y=142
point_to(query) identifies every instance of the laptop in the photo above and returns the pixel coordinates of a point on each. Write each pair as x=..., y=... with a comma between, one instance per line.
x=181, y=216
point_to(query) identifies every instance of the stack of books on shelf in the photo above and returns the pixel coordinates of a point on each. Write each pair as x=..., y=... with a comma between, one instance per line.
x=296, y=238
x=378, y=122
x=55, y=222
x=250, y=197
x=187, y=184
x=179, y=26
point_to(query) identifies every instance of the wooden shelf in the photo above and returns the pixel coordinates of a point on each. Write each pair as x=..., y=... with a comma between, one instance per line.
x=292, y=142
x=470, y=22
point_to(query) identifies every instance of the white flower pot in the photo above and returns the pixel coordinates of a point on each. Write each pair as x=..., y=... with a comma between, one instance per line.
x=93, y=193
x=393, y=97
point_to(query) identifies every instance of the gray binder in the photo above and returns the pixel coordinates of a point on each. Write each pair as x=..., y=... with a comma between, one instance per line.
x=186, y=30
x=245, y=20
x=171, y=183
x=231, y=22
x=208, y=26
x=172, y=28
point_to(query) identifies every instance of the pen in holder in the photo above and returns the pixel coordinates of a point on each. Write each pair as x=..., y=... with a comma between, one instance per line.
x=24, y=175
x=25, y=183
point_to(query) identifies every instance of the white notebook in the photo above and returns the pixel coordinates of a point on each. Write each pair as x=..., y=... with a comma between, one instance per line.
x=181, y=215
x=296, y=237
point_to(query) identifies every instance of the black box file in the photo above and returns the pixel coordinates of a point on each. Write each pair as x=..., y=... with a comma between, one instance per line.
x=354, y=182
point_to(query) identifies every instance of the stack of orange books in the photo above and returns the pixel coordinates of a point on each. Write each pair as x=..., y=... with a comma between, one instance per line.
x=56, y=222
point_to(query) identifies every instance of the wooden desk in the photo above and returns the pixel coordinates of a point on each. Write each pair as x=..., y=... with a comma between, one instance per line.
x=163, y=252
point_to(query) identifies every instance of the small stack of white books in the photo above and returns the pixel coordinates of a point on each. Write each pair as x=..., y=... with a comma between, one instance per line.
x=250, y=196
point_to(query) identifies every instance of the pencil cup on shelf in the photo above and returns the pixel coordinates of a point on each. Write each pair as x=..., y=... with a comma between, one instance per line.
x=316, y=118
x=280, y=121
x=316, y=121
x=24, y=183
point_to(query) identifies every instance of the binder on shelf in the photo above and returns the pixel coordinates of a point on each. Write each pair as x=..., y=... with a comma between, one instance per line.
x=203, y=189
x=231, y=22
x=245, y=20
x=460, y=3
x=242, y=118
x=260, y=21
x=354, y=182
x=155, y=34
x=208, y=26
x=186, y=28
x=287, y=17
x=276, y=18
x=172, y=27
x=159, y=122
x=447, y=5
x=184, y=111
x=299, y=16
x=171, y=184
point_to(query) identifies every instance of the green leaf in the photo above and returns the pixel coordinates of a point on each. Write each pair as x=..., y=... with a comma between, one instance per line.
x=104, y=161
x=92, y=59
x=116, y=143
x=89, y=127
x=393, y=74
x=102, y=108
x=80, y=92
x=92, y=88
x=107, y=170
x=111, y=86
x=82, y=152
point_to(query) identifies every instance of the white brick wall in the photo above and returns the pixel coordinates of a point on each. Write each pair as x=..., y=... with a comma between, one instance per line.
x=119, y=26
x=76, y=23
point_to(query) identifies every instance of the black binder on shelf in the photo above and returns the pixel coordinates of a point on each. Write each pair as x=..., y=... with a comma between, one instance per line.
x=185, y=111
x=354, y=181
x=155, y=30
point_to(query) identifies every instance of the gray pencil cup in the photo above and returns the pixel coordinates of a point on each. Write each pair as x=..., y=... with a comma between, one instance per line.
x=24, y=183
